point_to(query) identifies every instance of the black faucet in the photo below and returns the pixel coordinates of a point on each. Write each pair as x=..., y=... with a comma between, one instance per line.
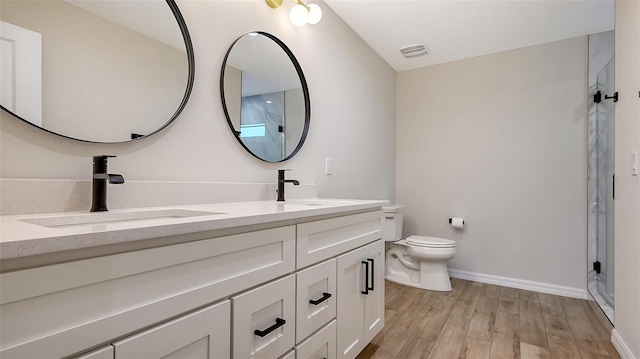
x=281, y=182
x=99, y=183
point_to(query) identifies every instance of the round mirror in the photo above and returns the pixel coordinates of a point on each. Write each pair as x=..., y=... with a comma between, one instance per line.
x=96, y=71
x=265, y=97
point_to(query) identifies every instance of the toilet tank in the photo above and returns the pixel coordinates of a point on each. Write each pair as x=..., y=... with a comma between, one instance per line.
x=392, y=222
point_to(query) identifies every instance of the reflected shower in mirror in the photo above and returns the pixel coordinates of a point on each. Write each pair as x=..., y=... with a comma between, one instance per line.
x=265, y=97
x=96, y=71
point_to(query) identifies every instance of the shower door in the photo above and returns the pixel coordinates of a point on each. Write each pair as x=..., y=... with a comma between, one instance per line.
x=601, y=182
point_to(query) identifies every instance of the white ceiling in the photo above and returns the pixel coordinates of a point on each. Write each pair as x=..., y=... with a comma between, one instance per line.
x=455, y=30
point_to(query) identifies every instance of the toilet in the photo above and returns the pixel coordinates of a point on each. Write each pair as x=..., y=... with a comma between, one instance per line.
x=416, y=261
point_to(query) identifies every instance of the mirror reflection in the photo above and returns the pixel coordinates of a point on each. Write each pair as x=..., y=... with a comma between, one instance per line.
x=265, y=97
x=97, y=71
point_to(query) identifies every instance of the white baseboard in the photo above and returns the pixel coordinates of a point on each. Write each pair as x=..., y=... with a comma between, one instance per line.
x=621, y=347
x=520, y=284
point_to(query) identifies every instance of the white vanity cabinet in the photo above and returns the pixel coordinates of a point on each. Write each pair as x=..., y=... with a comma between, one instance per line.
x=360, y=298
x=292, y=291
x=361, y=269
x=63, y=309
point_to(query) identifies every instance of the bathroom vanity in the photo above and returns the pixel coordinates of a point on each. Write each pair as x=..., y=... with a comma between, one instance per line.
x=300, y=279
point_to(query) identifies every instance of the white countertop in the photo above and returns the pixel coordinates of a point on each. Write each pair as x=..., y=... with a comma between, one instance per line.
x=18, y=238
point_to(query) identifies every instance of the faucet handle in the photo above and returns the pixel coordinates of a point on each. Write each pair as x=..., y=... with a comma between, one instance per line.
x=116, y=179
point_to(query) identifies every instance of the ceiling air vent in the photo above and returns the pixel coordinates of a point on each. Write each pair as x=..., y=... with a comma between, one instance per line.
x=414, y=50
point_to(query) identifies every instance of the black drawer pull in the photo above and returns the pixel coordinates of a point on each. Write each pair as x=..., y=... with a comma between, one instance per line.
x=373, y=277
x=366, y=278
x=261, y=333
x=325, y=296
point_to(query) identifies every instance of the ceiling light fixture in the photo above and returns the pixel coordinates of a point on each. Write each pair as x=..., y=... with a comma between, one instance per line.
x=301, y=14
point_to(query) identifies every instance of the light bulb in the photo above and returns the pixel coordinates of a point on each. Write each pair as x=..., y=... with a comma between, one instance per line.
x=299, y=15
x=315, y=14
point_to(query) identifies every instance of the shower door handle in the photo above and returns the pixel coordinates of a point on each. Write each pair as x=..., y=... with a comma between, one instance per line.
x=614, y=97
x=613, y=187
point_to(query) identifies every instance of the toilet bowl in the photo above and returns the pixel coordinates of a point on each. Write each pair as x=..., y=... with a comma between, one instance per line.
x=416, y=261
x=420, y=262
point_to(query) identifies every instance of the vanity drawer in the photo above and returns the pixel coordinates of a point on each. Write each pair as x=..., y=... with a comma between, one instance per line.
x=320, y=240
x=79, y=304
x=315, y=298
x=264, y=320
x=202, y=334
x=321, y=345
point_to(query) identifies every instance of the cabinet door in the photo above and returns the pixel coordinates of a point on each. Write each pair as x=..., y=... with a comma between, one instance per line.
x=321, y=345
x=351, y=284
x=203, y=334
x=374, y=301
x=360, y=298
x=315, y=298
x=264, y=320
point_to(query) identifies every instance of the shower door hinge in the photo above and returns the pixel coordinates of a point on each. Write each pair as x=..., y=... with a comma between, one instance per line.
x=597, y=97
x=596, y=266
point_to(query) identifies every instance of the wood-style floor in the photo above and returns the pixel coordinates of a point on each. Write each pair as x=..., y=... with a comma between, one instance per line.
x=478, y=320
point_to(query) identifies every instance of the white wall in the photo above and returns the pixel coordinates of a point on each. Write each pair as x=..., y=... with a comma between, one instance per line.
x=501, y=141
x=627, y=203
x=353, y=106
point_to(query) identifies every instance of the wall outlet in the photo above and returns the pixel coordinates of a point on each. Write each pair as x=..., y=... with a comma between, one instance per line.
x=328, y=166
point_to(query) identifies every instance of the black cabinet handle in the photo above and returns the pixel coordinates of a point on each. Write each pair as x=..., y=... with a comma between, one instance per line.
x=373, y=277
x=325, y=296
x=261, y=333
x=366, y=278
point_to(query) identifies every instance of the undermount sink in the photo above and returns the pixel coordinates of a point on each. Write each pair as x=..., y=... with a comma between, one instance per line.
x=98, y=218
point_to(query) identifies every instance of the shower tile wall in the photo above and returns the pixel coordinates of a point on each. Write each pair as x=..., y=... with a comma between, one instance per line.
x=268, y=110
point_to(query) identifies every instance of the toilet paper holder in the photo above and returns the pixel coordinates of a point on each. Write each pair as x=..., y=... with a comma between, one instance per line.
x=451, y=220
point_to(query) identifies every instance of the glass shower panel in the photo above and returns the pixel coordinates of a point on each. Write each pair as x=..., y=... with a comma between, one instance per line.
x=601, y=181
x=606, y=245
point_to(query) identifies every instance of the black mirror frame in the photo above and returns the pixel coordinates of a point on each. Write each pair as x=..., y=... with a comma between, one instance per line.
x=191, y=63
x=305, y=91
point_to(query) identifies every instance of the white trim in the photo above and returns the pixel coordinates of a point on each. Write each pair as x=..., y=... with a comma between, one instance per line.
x=621, y=347
x=520, y=284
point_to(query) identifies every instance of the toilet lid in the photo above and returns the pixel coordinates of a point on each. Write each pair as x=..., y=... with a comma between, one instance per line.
x=431, y=242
